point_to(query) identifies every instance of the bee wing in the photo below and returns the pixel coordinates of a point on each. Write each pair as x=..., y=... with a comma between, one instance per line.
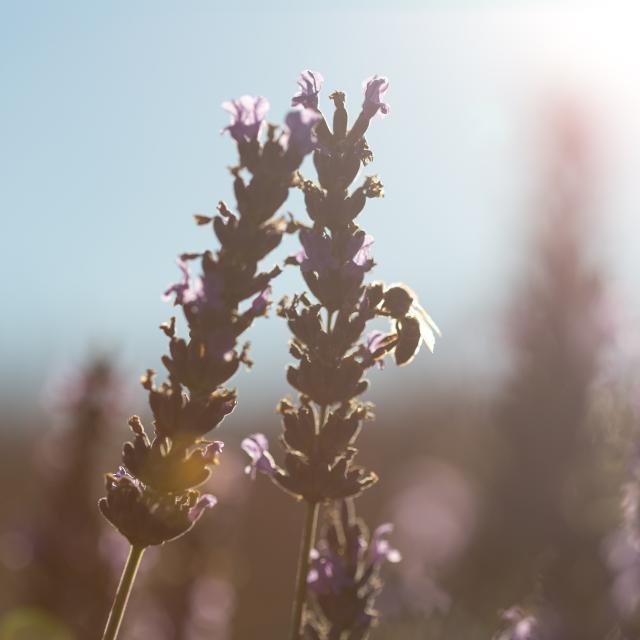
x=428, y=328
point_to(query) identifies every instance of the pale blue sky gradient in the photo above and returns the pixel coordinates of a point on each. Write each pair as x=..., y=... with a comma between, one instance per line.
x=109, y=130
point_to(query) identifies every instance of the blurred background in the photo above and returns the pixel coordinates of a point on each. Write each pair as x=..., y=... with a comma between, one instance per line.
x=509, y=458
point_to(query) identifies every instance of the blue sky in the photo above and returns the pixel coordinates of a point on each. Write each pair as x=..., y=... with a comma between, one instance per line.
x=110, y=122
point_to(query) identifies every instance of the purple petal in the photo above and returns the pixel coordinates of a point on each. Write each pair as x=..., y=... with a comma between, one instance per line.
x=380, y=549
x=181, y=288
x=316, y=254
x=310, y=83
x=256, y=447
x=374, y=340
x=213, y=449
x=300, y=124
x=205, y=501
x=262, y=301
x=247, y=115
x=374, y=90
x=362, y=256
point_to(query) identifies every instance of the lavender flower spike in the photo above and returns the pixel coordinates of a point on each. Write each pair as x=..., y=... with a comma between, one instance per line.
x=247, y=115
x=310, y=83
x=374, y=89
x=343, y=580
x=256, y=447
x=301, y=123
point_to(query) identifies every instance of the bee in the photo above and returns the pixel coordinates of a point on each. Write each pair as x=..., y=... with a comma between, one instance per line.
x=412, y=323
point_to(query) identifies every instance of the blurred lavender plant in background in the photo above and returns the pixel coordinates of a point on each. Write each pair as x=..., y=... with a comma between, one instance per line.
x=66, y=581
x=543, y=525
x=622, y=553
x=434, y=508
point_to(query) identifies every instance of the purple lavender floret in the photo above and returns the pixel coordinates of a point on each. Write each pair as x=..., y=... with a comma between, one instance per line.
x=123, y=473
x=343, y=580
x=379, y=547
x=262, y=301
x=256, y=447
x=374, y=89
x=316, y=253
x=212, y=450
x=327, y=573
x=359, y=249
x=205, y=501
x=204, y=292
x=310, y=83
x=374, y=341
x=331, y=572
x=300, y=124
x=247, y=115
x=184, y=294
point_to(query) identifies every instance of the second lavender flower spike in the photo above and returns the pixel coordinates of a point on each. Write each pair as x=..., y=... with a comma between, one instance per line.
x=332, y=347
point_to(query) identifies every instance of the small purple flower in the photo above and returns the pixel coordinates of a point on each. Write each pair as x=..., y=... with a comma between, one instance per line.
x=310, y=83
x=327, y=572
x=379, y=547
x=262, y=301
x=301, y=136
x=205, y=292
x=182, y=290
x=205, y=501
x=316, y=254
x=247, y=115
x=374, y=342
x=374, y=90
x=212, y=450
x=358, y=251
x=362, y=256
x=121, y=473
x=256, y=447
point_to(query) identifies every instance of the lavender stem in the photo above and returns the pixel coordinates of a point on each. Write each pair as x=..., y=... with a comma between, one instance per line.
x=122, y=594
x=308, y=540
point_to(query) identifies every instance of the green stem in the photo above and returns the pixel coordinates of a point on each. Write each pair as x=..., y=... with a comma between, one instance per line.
x=122, y=594
x=308, y=539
